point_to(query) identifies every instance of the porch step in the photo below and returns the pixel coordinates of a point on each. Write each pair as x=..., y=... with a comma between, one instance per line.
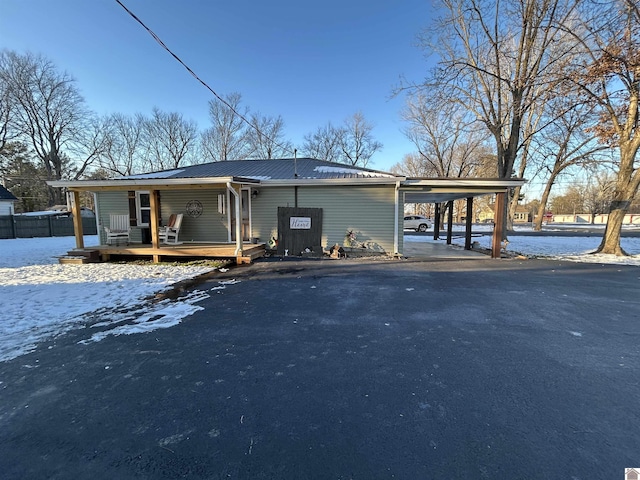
x=249, y=255
x=77, y=257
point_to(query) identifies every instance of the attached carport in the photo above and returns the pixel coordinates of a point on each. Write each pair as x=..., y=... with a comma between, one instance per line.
x=440, y=191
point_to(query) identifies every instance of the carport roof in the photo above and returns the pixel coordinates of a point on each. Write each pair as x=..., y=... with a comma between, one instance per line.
x=440, y=190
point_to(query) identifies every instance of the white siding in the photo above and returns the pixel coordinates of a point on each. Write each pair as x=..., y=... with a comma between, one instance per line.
x=6, y=207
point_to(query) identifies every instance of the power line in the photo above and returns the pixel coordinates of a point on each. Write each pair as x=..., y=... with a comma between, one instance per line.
x=162, y=44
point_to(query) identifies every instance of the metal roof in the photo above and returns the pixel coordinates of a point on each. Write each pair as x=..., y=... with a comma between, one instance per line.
x=277, y=169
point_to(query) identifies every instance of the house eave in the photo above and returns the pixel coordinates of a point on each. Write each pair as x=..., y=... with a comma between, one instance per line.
x=491, y=183
x=148, y=183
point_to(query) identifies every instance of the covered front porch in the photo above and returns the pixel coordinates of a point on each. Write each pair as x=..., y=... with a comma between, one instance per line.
x=232, y=214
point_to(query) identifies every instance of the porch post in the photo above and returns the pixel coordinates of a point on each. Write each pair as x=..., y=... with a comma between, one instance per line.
x=396, y=219
x=449, y=221
x=153, y=223
x=498, y=225
x=76, y=213
x=237, y=193
x=467, y=232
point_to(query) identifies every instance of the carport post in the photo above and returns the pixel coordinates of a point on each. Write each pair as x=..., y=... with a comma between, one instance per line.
x=498, y=225
x=436, y=221
x=449, y=221
x=469, y=223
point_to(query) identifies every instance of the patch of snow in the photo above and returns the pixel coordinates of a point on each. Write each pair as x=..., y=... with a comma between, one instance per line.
x=258, y=177
x=165, y=174
x=42, y=299
x=353, y=171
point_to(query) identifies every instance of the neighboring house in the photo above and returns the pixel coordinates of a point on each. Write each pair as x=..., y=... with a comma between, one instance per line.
x=522, y=214
x=7, y=201
x=277, y=199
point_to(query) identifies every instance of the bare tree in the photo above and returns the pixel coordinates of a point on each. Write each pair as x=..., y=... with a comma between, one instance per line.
x=562, y=145
x=227, y=138
x=8, y=131
x=324, y=143
x=124, y=152
x=571, y=202
x=445, y=137
x=50, y=112
x=497, y=59
x=266, y=138
x=357, y=142
x=609, y=77
x=598, y=193
x=169, y=139
x=412, y=165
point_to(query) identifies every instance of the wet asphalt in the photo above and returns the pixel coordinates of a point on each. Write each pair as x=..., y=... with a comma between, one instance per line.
x=347, y=369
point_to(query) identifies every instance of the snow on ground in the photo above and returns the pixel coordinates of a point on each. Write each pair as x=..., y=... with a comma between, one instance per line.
x=42, y=299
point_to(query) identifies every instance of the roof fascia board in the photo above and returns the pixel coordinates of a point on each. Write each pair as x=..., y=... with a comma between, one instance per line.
x=148, y=182
x=469, y=182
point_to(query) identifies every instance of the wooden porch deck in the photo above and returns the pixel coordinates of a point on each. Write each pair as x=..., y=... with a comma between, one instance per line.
x=250, y=251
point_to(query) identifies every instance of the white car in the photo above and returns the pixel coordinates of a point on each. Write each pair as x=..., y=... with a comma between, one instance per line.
x=417, y=223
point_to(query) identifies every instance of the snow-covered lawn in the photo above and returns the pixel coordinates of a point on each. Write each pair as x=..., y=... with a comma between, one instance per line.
x=41, y=299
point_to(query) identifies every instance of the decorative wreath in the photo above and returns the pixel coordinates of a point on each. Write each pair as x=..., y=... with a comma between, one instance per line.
x=194, y=208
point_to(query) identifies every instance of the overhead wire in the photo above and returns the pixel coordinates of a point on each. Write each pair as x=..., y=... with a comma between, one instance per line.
x=179, y=60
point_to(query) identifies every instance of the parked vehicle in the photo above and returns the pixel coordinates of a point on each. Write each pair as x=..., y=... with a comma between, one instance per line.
x=417, y=223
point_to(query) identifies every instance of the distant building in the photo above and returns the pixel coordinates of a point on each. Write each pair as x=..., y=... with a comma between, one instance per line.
x=7, y=200
x=522, y=215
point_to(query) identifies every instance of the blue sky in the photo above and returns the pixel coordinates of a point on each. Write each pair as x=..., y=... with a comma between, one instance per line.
x=309, y=62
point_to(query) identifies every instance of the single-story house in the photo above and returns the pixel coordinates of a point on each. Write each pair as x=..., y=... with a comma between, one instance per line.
x=7, y=201
x=521, y=215
x=292, y=205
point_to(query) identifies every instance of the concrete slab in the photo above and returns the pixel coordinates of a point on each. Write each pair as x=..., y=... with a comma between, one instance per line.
x=439, y=250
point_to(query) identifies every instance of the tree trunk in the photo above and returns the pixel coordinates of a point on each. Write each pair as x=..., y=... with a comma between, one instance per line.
x=542, y=208
x=611, y=239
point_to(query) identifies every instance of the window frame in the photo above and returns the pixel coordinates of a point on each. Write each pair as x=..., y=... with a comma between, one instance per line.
x=140, y=208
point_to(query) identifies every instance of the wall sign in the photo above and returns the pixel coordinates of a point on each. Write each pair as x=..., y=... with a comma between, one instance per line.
x=300, y=223
x=194, y=208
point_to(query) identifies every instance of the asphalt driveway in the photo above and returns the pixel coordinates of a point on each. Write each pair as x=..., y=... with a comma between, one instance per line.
x=348, y=369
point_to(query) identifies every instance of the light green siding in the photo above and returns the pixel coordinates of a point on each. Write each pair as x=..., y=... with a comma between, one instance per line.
x=112, y=203
x=369, y=211
x=211, y=226
x=264, y=211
